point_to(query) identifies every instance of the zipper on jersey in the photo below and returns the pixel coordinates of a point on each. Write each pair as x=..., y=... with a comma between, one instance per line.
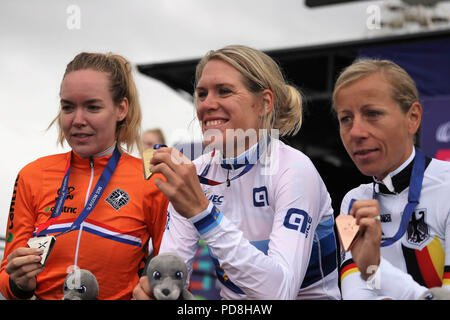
x=91, y=162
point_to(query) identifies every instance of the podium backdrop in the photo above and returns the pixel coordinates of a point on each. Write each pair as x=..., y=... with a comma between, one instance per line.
x=436, y=127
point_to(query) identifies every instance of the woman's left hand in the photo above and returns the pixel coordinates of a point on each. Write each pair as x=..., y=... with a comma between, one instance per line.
x=182, y=187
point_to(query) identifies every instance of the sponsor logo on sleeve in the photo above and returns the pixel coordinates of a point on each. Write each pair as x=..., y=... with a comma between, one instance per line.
x=298, y=220
x=13, y=205
x=167, y=221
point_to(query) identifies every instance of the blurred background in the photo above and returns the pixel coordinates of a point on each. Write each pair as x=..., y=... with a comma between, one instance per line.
x=312, y=40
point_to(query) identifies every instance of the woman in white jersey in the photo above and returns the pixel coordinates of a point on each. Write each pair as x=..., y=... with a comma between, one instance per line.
x=259, y=205
x=403, y=215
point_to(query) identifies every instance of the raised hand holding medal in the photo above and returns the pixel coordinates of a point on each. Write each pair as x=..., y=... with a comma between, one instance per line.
x=43, y=243
x=147, y=156
x=182, y=186
x=348, y=231
x=366, y=250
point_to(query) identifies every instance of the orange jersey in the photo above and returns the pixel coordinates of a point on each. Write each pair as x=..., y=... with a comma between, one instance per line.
x=113, y=240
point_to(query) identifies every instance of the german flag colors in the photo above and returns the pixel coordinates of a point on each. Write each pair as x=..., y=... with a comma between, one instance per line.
x=446, y=277
x=347, y=268
x=426, y=266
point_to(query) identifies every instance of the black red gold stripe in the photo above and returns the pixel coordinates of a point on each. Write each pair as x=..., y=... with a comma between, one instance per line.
x=426, y=266
x=347, y=268
x=446, y=276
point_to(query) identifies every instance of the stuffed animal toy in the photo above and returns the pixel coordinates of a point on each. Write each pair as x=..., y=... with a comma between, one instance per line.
x=80, y=284
x=167, y=274
x=436, y=293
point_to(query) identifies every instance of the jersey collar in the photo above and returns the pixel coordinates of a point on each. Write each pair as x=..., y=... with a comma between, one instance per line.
x=250, y=156
x=398, y=180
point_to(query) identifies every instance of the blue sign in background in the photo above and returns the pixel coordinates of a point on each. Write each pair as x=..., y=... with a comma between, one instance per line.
x=435, y=135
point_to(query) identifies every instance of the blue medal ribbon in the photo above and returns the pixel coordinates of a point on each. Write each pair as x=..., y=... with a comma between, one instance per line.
x=249, y=162
x=415, y=186
x=93, y=198
x=210, y=182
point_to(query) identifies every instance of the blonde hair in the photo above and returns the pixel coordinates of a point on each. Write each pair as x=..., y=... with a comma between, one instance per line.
x=404, y=90
x=260, y=72
x=122, y=86
x=158, y=132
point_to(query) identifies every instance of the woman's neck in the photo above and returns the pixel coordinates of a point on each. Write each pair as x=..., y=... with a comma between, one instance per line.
x=399, y=168
x=237, y=147
x=108, y=151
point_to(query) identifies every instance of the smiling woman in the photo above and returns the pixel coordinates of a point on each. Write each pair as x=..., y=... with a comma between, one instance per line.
x=271, y=234
x=93, y=199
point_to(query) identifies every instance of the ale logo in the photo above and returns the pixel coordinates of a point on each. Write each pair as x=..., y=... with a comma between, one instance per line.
x=298, y=220
x=9, y=237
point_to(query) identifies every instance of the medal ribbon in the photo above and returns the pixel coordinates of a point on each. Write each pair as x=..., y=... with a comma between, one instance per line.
x=210, y=182
x=415, y=186
x=247, y=168
x=93, y=198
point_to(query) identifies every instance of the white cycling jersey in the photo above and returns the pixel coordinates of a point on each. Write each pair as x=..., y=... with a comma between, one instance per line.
x=421, y=258
x=269, y=233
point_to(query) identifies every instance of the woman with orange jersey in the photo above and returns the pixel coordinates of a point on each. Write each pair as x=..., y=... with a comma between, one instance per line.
x=93, y=199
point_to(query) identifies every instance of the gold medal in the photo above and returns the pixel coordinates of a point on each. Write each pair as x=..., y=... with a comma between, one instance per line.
x=146, y=157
